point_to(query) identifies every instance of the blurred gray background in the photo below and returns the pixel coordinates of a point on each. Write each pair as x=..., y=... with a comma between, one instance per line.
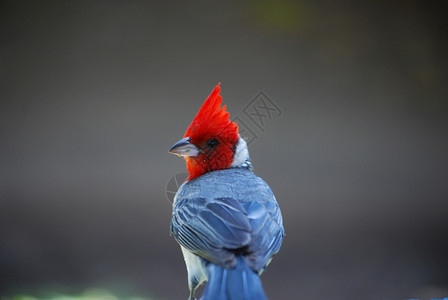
x=93, y=94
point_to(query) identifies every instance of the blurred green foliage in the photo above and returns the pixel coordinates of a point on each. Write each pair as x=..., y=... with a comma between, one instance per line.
x=282, y=15
x=91, y=294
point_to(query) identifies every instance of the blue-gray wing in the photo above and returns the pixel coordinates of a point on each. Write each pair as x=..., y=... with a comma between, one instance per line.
x=217, y=228
x=267, y=232
x=211, y=227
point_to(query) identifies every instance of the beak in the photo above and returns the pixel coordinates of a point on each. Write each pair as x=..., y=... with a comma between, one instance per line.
x=184, y=148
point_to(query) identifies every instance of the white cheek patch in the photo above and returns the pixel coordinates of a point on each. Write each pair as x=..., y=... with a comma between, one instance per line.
x=241, y=153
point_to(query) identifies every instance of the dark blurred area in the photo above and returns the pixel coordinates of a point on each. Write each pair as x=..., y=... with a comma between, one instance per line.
x=94, y=93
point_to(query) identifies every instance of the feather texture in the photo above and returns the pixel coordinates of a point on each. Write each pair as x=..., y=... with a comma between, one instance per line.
x=223, y=212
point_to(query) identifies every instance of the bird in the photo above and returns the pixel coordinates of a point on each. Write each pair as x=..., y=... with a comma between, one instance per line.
x=225, y=218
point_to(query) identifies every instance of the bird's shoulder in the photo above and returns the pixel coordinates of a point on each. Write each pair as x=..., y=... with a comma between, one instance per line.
x=240, y=184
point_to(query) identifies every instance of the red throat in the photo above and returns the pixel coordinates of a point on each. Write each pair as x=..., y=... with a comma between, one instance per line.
x=212, y=122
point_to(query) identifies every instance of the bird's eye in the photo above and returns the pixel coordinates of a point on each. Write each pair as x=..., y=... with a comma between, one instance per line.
x=212, y=143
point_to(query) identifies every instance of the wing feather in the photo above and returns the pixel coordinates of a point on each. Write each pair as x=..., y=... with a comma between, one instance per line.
x=212, y=229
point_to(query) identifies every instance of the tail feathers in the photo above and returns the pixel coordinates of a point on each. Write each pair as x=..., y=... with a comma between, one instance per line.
x=239, y=283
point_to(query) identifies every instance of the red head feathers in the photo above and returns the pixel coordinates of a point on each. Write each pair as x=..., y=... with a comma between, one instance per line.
x=212, y=119
x=210, y=141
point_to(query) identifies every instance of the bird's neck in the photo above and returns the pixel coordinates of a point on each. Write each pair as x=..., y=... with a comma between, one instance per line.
x=241, y=157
